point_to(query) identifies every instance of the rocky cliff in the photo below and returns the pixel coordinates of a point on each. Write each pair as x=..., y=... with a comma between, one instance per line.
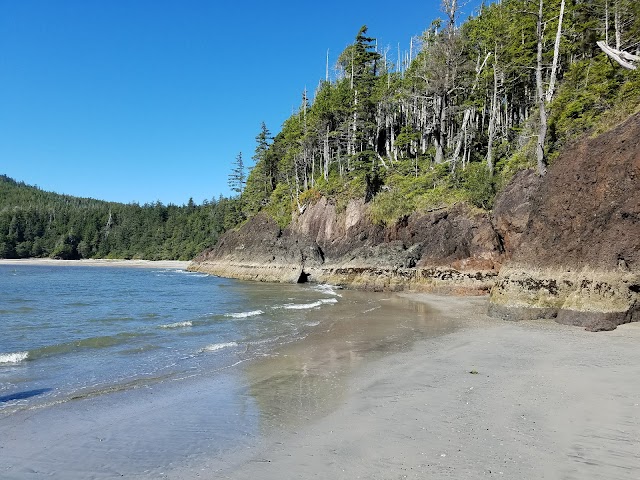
x=565, y=247
x=453, y=250
x=578, y=259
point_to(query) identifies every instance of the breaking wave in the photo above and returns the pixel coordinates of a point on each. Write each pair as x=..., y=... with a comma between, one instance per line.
x=252, y=313
x=304, y=306
x=177, y=325
x=327, y=289
x=15, y=357
x=218, y=346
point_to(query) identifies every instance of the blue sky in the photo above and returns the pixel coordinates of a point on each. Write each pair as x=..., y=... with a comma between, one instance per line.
x=145, y=100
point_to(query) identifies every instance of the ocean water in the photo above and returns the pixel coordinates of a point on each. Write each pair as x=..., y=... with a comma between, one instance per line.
x=76, y=332
x=110, y=372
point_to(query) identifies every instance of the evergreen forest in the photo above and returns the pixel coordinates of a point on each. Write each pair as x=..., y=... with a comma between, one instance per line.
x=453, y=118
x=35, y=223
x=449, y=120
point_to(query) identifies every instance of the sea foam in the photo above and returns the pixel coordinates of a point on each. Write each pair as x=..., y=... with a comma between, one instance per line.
x=192, y=274
x=327, y=289
x=218, y=346
x=252, y=313
x=15, y=357
x=177, y=325
x=304, y=306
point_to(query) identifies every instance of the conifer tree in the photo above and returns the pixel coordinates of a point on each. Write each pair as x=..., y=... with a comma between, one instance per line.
x=237, y=177
x=261, y=156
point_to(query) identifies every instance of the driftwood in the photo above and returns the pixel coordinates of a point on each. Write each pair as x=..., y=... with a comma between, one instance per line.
x=625, y=59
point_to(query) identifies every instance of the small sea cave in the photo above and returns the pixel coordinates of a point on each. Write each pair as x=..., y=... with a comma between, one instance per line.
x=304, y=277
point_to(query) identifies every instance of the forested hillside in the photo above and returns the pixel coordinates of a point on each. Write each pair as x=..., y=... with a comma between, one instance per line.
x=34, y=223
x=450, y=120
x=504, y=90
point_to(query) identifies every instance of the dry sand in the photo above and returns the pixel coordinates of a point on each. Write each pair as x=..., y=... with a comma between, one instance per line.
x=99, y=262
x=484, y=399
x=547, y=401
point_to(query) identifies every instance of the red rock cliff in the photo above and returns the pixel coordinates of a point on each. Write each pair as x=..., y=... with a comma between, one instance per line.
x=578, y=258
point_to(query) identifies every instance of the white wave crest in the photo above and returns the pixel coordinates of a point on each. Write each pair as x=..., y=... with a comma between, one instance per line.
x=192, y=274
x=327, y=289
x=304, y=306
x=15, y=357
x=252, y=313
x=177, y=325
x=218, y=346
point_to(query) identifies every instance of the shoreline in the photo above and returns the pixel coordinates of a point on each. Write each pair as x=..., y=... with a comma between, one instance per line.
x=484, y=399
x=491, y=399
x=97, y=262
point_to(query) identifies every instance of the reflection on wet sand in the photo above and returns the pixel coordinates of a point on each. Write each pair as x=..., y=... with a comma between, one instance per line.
x=308, y=379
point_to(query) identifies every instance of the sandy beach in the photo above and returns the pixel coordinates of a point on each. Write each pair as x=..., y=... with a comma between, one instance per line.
x=475, y=398
x=98, y=262
x=493, y=399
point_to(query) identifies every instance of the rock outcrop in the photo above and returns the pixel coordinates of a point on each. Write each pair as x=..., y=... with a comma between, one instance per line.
x=452, y=250
x=566, y=246
x=578, y=259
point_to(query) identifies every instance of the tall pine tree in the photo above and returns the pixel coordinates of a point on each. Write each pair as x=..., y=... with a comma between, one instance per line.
x=237, y=177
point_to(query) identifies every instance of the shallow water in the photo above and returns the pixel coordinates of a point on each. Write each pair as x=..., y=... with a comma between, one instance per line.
x=67, y=332
x=141, y=372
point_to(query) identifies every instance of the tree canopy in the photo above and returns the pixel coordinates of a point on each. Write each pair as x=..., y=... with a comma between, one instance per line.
x=35, y=223
x=504, y=90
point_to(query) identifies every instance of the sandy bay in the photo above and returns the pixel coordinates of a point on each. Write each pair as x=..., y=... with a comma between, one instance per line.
x=453, y=395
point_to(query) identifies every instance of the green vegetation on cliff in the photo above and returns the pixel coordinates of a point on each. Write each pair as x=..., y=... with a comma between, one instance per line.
x=35, y=223
x=457, y=120
x=451, y=121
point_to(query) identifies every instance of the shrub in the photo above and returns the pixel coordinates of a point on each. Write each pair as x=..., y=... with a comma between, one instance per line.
x=479, y=185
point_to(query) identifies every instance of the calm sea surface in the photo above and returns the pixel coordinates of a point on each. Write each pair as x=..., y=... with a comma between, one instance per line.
x=110, y=372
x=76, y=332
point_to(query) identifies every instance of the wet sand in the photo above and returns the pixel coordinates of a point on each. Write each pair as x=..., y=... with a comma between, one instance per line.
x=98, y=262
x=416, y=386
x=489, y=400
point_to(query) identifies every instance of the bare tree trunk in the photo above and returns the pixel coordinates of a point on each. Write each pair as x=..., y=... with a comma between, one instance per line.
x=493, y=116
x=326, y=155
x=624, y=59
x=313, y=170
x=439, y=130
x=542, y=131
x=461, y=137
x=556, y=54
x=327, y=70
x=616, y=24
x=545, y=97
x=467, y=112
x=354, y=127
x=606, y=22
x=392, y=142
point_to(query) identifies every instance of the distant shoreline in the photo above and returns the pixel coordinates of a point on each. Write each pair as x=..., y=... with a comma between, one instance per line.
x=101, y=262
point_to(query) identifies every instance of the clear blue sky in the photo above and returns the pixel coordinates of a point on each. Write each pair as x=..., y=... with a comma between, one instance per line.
x=145, y=100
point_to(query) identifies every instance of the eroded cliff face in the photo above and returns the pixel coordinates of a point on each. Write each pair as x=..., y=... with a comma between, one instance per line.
x=578, y=259
x=566, y=246
x=260, y=250
x=452, y=250
x=447, y=250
